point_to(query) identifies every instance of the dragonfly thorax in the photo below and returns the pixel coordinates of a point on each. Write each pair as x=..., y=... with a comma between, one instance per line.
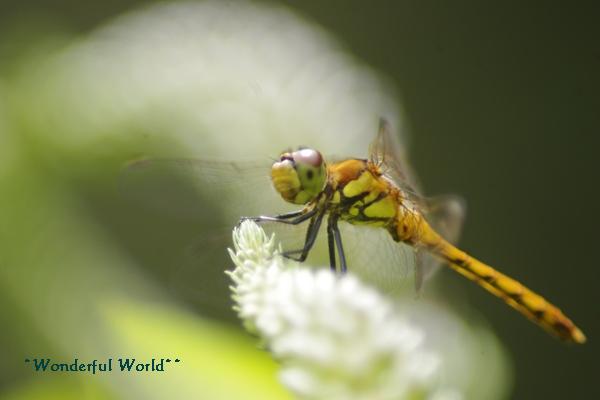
x=299, y=176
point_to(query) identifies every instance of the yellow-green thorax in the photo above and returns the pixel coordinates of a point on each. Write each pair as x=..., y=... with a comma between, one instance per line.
x=361, y=194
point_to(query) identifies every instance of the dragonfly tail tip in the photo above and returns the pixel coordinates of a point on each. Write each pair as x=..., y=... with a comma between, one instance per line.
x=578, y=336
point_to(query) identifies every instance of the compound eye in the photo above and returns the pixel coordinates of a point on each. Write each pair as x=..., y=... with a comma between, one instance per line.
x=308, y=157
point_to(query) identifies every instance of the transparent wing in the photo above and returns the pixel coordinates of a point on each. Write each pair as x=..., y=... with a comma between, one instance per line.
x=207, y=197
x=444, y=213
x=370, y=252
x=201, y=189
x=377, y=259
x=385, y=152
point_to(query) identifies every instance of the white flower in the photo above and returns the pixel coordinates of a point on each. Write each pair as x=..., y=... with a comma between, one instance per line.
x=335, y=337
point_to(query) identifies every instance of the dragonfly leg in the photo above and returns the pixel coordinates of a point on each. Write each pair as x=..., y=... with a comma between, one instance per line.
x=292, y=218
x=338, y=241
x=330, y=244
x=289, y=253
x=311, y=235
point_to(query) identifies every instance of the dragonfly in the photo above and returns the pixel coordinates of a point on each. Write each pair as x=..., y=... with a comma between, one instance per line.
x=375, y=192
x=372, y=208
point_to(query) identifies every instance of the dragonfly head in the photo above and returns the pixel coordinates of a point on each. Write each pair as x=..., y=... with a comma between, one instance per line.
x=299, y=176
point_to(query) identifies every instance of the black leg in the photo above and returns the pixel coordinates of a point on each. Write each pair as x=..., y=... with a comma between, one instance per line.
x=330, y=243
x=311, y=236
x=288, y=253
x=338, y=242
x=289, y=215
x=292, y=218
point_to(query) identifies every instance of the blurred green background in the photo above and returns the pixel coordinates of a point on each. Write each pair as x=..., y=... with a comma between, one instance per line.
x=501, y=101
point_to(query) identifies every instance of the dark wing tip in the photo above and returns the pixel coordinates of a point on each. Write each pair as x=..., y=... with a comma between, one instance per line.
x=384, y=124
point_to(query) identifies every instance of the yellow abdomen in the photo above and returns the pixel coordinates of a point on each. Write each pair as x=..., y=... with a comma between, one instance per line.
x=516, y=295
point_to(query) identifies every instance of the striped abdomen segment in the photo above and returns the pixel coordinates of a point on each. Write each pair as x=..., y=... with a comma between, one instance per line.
x=528, y=303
